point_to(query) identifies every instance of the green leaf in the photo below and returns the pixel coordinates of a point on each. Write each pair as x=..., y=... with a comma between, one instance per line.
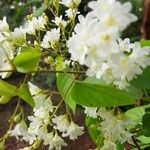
x=7, y=89
x=145, y=43
x=135, y=92
x=99, y=95
x=94, y=80
x=120, y=146
x=145, y=132
x=63, y=84
x=135, y=114
x=142, y=81
x=144, y=139
x=25, y=94
x=146, y=121
x=96, y=136
x=28, y=60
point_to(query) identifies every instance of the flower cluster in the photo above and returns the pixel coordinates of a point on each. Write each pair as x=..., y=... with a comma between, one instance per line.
x=72, y=5
x=67, y=128
x=6, y=49
x=11, y=41
x=112, y=127
x=41, y=120
x=96, y=44
x=51, y=39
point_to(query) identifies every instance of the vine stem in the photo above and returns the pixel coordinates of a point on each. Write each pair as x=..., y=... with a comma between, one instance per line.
x=51, y=71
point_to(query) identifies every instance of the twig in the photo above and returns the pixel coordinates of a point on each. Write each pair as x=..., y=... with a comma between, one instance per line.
x=135, y=142
x=51, y=71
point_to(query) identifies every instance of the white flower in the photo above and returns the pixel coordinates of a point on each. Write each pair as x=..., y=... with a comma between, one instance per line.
x=60, y=22
x=43, y=102
x=8, y=50
x=73, y=131
x=35, y=123
x=112, y=13
x=125, y=45
x=4, y=27
x=91, y=111
x=18, y=36
x=62, y=123
x=51, y=38
x=19, y=130
x=56, y=143
x=89, y=41
x=42, y=132
x=71, y=3
x=42, y=113
x=95, y=46
x=6, y=55
x=34, y=89
x=109, y=145
x=2, y=37
x=125, y=68
x=36, y=24
x=71, y=13
x=47, y=139
x=5, y=66
x=113, y=129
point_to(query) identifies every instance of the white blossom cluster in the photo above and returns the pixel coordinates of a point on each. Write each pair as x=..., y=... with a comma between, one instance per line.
x=112, y=128
x=11, y=41
x=6, y=49
x=51, y=38
x=96, y=44
x=66, y=127
x=41, y=120
x=72, y=6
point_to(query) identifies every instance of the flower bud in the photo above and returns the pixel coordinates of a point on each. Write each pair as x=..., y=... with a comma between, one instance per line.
x=4, y=99
x=17, y=118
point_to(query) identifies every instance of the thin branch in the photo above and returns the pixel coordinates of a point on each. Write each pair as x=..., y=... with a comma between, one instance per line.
x=136, y=144
x=50, y=71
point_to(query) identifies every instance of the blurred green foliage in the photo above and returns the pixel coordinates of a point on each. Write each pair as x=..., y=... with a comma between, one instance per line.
x=16, y=10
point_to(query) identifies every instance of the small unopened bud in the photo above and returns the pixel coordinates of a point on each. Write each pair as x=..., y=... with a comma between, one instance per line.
x=29, y=17
x=4, y=99
x=49, y=60
x=17, y=118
